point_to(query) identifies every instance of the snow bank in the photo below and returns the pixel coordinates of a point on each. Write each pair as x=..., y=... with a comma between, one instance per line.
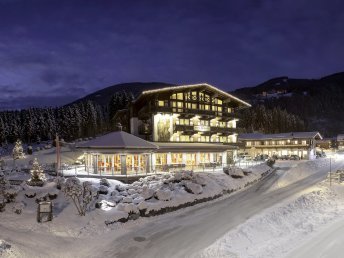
x=7, y=250
x=302, y=170
x=278, y=230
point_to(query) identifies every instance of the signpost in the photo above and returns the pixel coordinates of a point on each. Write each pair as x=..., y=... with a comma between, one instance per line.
x=45, y=211
x=202, y=128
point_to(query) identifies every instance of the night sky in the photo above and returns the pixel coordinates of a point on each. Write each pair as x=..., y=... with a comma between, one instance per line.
x=52, y=52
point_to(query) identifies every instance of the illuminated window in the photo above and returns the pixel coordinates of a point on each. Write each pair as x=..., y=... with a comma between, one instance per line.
x=204, y=122
x=180, y=96
x=184, y=138
x=161, y=103
x=248, y=143
x=304, y=142
x=161, y=159
x=222, y=124
x=218, y=101
x=174, y=96
x=177, y=158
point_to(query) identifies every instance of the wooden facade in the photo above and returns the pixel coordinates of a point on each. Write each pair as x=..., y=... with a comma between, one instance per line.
x=190, y=113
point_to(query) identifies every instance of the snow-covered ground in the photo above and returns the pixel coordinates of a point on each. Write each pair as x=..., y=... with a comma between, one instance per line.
x=269, y=219
x=291, y=227
x=149, y=196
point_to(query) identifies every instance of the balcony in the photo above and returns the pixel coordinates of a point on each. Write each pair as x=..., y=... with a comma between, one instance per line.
x=223, y=130
x=270, y=145
x=183, y=128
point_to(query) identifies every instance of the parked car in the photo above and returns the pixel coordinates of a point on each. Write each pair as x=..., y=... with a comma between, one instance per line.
x=320, y=155
x=261, y=157
x=294, y=157
x=244, y=156
x=284, y=157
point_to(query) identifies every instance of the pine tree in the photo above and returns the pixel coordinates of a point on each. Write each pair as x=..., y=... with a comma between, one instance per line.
x=18, y=152
x=37, y=175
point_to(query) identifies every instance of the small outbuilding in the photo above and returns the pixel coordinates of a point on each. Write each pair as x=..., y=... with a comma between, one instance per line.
x=118, y=153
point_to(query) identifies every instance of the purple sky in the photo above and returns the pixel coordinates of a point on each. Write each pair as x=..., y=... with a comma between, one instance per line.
x=52, y=52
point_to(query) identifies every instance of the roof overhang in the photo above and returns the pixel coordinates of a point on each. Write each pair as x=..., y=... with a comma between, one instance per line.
x=190, y=86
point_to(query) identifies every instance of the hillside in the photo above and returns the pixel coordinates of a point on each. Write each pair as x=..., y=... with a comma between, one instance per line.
x=318, y=102
x=102, y=97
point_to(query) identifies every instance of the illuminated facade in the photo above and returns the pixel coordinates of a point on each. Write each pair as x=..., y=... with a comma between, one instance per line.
x=340, y=141
x=302, y=144
x=189, y=113
x=193, y=125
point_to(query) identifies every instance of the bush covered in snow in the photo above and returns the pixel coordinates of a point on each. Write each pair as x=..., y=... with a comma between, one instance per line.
x=4, y=188
x=82, y=194
x=270, y=162
x=234, y=172
x=105, y=182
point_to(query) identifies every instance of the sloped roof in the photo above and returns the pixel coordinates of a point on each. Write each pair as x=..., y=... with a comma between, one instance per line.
x=182, y=87
x=118, y=140
x=290, y=135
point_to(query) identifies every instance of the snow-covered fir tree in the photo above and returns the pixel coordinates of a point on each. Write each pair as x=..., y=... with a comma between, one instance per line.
x=18, y=152
x=37, y=174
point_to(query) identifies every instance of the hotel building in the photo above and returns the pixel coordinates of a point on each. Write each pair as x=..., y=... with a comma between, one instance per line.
x=192, y=127
x=302, y=144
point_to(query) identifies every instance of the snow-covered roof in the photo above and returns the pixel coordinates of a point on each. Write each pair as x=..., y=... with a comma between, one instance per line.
x=340, y=137
x=290, y=135
x=183, y=87
x=118, y=140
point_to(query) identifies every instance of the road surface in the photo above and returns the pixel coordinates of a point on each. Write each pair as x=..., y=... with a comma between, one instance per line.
x=184, y=233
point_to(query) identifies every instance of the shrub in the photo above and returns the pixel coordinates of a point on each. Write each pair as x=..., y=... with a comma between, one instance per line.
x=270, y=162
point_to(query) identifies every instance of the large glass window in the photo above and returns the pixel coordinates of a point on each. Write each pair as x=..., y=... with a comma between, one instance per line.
x=177, y=158
x=160, y=158
x=191, y=159
x=204, y=157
